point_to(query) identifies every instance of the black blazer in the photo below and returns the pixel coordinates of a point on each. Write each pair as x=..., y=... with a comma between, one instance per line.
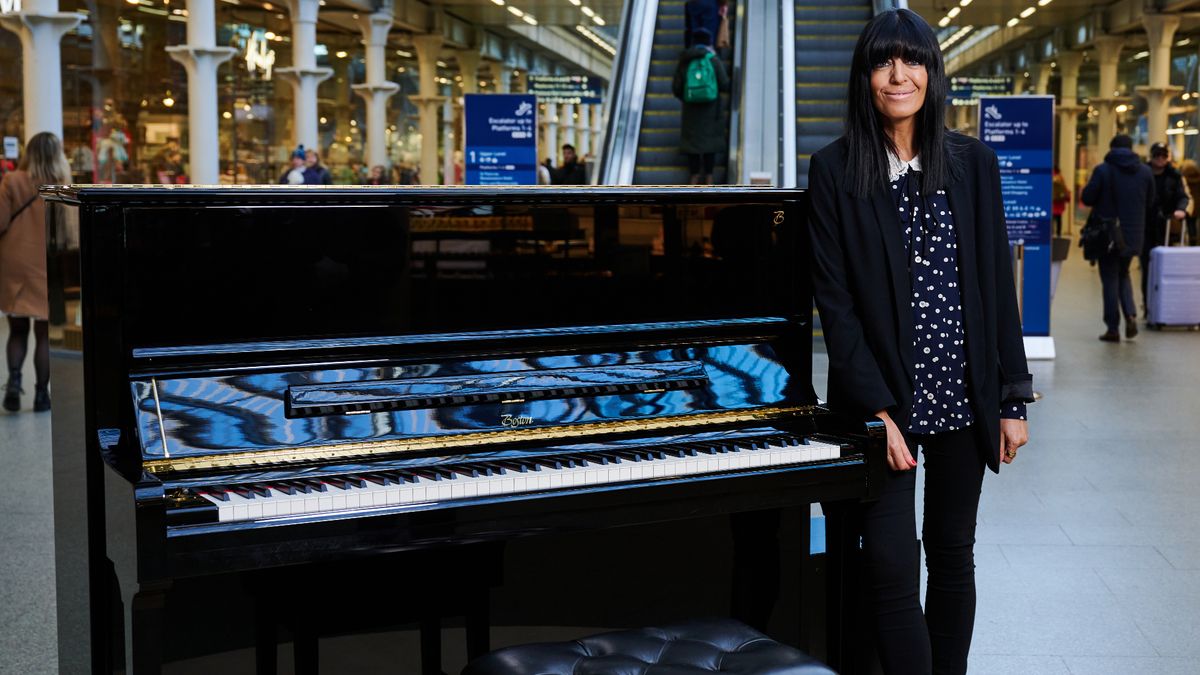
x=861, y=284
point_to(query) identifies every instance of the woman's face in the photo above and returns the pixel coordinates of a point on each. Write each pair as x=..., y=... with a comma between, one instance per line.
x=898, y=88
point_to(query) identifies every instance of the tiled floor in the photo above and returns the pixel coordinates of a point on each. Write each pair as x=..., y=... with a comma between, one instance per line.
x=1089, y=546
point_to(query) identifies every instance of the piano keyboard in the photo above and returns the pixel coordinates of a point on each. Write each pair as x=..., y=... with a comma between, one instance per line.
x=509, y=476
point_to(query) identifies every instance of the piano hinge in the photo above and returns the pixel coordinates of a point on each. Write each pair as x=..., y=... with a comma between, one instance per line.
x=471, y=441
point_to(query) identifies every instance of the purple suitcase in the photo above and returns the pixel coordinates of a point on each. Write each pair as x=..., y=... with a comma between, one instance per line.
x=1173, y=291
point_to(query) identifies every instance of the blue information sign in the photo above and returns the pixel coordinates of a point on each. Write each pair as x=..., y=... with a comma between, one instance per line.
x=1021, y=131
x=501, y=141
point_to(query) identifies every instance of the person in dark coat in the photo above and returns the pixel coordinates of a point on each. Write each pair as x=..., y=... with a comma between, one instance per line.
x=702, y=126
x=699, y=14
x=572, y=171
x=1123, y=188
x=1171, y=202
x=913, y=279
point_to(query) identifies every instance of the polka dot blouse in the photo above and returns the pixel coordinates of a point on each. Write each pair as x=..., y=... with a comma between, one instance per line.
x=940, y=399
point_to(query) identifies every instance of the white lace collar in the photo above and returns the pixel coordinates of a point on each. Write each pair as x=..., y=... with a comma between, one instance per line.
x=897, y=168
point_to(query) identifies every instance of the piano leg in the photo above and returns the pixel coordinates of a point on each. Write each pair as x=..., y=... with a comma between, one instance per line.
x=478, y=622
x=431, y=643
x=266, y=649
x=756, y=566
x=144, y=620
x=844, y=600
x=306, y=648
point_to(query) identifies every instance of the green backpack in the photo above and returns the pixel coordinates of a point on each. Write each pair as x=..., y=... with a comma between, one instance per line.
x=701, y=85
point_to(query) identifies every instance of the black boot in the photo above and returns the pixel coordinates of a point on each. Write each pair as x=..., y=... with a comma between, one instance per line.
x=41, y=398
x=13, y=391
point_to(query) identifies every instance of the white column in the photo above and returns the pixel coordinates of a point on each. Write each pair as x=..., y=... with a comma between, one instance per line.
x=448, y=110
x=1043, y=79
x=503, y=75
x=569, y=126
x=1068, y=125
x=201, y=57
x=550, y=135
x=304, y=75
x=1108, y=57
x=1020, y=82
x=583, y=130
x=40, y=26
x=377, y=89
x=428, y=48
x=468, y=68
x=597, y=129
x=1160, y=29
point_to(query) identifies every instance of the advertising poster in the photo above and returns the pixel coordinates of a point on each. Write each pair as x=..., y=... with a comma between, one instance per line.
x=501, y=140
x=1021, y=131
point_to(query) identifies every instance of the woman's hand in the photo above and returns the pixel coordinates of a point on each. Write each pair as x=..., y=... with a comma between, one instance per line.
x=1013, y=434
x=898, y=456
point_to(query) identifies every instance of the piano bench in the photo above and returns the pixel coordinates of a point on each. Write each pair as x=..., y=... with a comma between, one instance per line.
x=714, y=645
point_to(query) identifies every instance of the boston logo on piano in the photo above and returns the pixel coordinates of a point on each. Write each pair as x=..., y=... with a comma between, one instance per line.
x=297, y=388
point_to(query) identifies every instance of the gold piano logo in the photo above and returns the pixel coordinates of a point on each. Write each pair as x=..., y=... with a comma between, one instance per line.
x=515, y=420
x=779, y=217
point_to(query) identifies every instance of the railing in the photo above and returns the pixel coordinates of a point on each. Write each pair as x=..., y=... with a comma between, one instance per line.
x=627, y=92
x=880, y=6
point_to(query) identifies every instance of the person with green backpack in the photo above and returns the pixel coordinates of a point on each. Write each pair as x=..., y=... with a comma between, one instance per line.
x=699, y=80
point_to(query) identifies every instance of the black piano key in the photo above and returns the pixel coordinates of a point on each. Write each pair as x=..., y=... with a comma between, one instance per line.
x=465, y=471
x=596, y=458
x=283, y=487
x=214, y=492
x=241, y=491
x=549, y=462
x=444, y=472
x=427, y=474
x=513, y=465
x=376, y=478
x=354, y=482
x=336, y=481
x=315, y=485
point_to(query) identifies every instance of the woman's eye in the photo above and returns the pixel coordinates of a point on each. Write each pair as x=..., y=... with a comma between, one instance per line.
x=883, y=64
x=913, y=64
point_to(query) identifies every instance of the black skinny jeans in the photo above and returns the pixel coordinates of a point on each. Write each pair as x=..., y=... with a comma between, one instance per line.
x=938, y=640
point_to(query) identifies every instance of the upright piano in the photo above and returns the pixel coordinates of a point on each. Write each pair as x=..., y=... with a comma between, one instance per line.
x=280, y=377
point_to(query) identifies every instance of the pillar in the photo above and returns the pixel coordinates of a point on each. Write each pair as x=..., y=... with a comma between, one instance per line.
x=429, y=101
x=521, y=85
x=597, y=129
x=1068, y=125
x=304, y=74
x=550, y=134
x=448, y=118
x=40, y=26
x=377, y=89
x=1108, y=58
x=468, y=68
x=1020, y=82
x=503, y=75
x=1160, y=30
x=1043, y=79
x=201, y=57
x=583, y=130
x=568, y=126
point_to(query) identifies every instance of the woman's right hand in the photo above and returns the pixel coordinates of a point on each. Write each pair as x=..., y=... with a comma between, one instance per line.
x=898, y=456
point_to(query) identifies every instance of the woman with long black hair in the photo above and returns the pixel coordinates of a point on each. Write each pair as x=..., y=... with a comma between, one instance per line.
x=913, y=281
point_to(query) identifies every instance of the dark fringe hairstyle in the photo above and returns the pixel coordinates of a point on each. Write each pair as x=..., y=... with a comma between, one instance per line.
x=904, y=34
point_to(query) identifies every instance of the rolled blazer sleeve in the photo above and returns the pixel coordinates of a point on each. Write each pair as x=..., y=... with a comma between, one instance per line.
x=1016, y=384
x=850, y=358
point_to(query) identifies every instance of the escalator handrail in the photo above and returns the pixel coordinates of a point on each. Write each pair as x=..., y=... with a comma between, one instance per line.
x=627, y=92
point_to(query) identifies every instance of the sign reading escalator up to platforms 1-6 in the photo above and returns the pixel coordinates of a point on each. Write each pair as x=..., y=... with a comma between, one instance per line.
x=501, y=141
x=967, y=90
x=565, y=88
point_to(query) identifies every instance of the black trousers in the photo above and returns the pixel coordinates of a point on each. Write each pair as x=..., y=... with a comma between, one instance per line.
x=938, y=640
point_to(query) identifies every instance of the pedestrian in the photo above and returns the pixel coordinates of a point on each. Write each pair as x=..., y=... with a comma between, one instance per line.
x=572, y=171
x=545, y=172
x=1123, y=188
x=315, y=172
x=1171, y=202
x=1060, y=197
x=295, y=173
x=376, y=177
x=699, y=14
x=699, y=79
x=23, y=287
x=1191, y=179
x=913, y=280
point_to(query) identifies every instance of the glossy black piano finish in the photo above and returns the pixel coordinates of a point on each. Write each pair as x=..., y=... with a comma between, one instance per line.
x=255, y=344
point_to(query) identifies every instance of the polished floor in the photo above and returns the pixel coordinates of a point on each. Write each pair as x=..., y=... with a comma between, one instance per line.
x=1088, y=552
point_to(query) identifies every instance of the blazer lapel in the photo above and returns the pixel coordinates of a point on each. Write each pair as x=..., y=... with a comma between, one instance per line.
x=889, y=229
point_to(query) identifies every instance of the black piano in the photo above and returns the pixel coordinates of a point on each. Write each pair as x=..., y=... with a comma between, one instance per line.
x=280, y=379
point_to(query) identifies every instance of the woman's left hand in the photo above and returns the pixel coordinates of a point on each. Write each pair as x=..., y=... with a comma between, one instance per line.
x=1013, y=434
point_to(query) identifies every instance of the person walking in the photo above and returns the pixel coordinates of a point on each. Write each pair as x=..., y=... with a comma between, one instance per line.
x=913, y=280
x=1060, y=197
x=572, y=171
x=1191, y=178
x=701, y=14
x=23, y=287
x=315, y=172
x=295, y=173
x=1171, y=202
x=700, y=78
x=1121, y=187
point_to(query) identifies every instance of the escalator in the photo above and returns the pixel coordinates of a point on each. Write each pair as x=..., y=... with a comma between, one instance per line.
x=826, y=31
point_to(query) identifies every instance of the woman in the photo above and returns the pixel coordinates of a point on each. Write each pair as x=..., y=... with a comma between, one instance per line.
x=1060, y=197
x=23, y=263
x=702, y=127
x=914, y=284
x=1191, y=180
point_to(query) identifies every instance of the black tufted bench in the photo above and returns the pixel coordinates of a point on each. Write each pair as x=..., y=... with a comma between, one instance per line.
x=711, y=646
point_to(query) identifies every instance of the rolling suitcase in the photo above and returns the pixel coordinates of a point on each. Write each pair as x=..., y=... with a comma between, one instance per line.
x=1173, y=293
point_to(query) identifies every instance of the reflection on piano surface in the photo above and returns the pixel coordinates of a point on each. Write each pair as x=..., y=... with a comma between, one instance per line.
x=282, y=378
